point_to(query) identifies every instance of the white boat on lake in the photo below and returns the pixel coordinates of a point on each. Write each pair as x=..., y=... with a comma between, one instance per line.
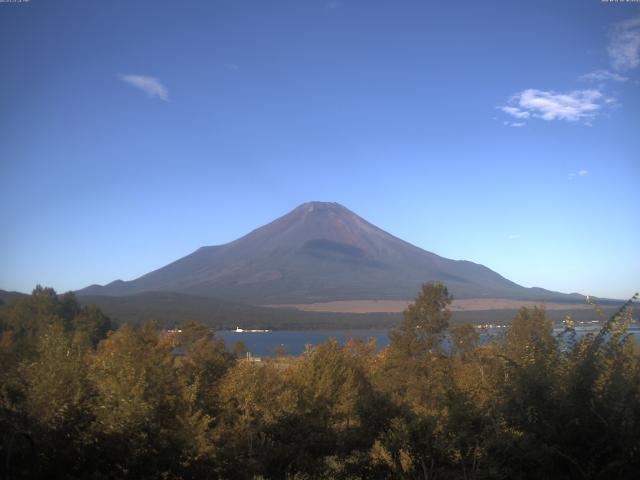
x=242, y=330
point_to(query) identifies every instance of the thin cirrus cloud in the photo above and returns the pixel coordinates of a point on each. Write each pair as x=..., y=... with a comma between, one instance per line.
x=603, y=76
x=575, y=106
x=514, y=124
x=149, y=85
x=624, y=45
x=513, y=236
x=581, y=173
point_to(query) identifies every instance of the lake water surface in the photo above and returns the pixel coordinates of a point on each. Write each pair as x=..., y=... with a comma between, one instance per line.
x=264, y=344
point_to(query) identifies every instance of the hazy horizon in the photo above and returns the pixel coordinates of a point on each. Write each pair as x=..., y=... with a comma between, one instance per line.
x=496, y=132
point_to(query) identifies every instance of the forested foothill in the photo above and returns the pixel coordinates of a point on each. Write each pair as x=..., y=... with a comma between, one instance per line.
x=82, y=399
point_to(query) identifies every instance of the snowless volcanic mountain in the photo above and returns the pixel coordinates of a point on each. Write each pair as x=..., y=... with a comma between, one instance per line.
x=321, y=252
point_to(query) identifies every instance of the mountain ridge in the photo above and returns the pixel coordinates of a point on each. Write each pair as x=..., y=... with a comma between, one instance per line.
x=320, y=251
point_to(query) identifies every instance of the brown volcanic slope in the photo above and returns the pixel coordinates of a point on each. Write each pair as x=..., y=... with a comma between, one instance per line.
x=321, y=252
x=458, y=305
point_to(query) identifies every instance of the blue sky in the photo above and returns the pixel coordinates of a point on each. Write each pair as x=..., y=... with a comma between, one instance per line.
x=506, y=133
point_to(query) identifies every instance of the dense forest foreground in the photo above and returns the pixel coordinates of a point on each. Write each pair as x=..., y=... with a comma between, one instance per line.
x=81, y=400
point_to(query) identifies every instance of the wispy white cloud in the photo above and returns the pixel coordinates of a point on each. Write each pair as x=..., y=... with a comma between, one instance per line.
x=513, y=236
x=332, y=5
x=624, y=44
x=603, y=76
x=150, y=85
x=516, y=112
x=509, y=123
x=581, y=105
x=581, y=173
x=577, y=105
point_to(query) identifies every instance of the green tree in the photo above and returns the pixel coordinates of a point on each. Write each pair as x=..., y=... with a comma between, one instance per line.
x=255, y=398
x=57, y=399
x=200, y=368
x=28, y=317
x=414, y=356
x=90, y=325
x=136, y=403
x=424, y=323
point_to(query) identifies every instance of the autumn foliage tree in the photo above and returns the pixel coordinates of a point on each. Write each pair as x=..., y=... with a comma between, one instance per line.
x=437, y=402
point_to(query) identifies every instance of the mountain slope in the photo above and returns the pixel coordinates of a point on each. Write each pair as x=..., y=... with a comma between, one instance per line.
x=320, y=252
x=170, y=309
x=9, y=297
